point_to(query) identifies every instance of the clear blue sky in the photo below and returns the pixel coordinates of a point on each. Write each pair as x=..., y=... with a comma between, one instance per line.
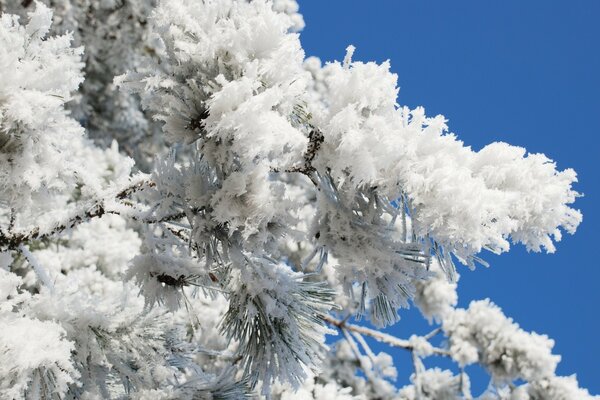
x=523, y=72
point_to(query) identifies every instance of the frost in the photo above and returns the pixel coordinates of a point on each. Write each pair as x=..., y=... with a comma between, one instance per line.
x=8, y=286
x=270, y=301
x=192, y=219
x=370, y=141
x=38, y=77
x=420, y=346
x=436, y=297
x=558, y=388
x=436, y=384
x=31, y=367
x=290, y=7
x=482, y=333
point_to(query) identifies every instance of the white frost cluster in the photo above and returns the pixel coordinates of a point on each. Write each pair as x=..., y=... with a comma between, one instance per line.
x=341, y=366
x=290, y=7
x=38, y=77
x=436, y=297
x=44, y=157
x=556, y=388
x=239, y=61
x=106, y=244
x=466, y=200
x=271, y=301
x=483, y=334
x=285, y=197
x=433, y=384
x=115, y=37
x=313, y=389
x=42, y=364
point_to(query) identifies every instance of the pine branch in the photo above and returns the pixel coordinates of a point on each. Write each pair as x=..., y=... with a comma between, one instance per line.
x=12, y=241
x=315, y=140
x=128, y=191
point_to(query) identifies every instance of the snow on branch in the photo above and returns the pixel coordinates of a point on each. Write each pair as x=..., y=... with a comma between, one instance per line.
x=266, y=196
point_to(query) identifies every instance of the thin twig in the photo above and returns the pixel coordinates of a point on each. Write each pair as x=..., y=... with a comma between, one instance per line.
x=128, y=191
x=463, y=387
x=432, y=333
x=315, y=140
x=12, y=241
x=418, y=367
x=379, y=336
x=361, y=340
x=356, y=351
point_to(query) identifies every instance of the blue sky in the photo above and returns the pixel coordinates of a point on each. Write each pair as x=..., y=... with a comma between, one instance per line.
x=523, y=72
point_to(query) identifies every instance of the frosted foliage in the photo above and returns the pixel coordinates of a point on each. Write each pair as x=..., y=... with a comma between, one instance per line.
x=192, y=219
x=290, y=7
x=207, y=335
x=35, y=356
x=435, y=384
x=44, y=156
x=105, y=243
x=558, y=388
x=436, y=297
x=9, y=296
x=483, y=334
x=114, y=35
x=159, y=278
x=283, y=308
x=30, y=368
x=420, y=346
x=340, y=367
x=496, y=193
x=117, y=38
x=104, y=320
x=251, y=71
x=237, y=60
x=311, y=389
x=360, y=249
x=38, y=78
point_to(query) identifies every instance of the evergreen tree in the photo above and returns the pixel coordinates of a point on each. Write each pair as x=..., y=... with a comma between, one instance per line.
x=189, y=207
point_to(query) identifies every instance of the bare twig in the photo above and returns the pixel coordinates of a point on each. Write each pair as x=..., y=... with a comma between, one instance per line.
x=367, y=349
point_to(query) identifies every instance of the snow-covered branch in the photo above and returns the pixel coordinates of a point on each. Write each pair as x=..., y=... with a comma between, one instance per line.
x=275, y=194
